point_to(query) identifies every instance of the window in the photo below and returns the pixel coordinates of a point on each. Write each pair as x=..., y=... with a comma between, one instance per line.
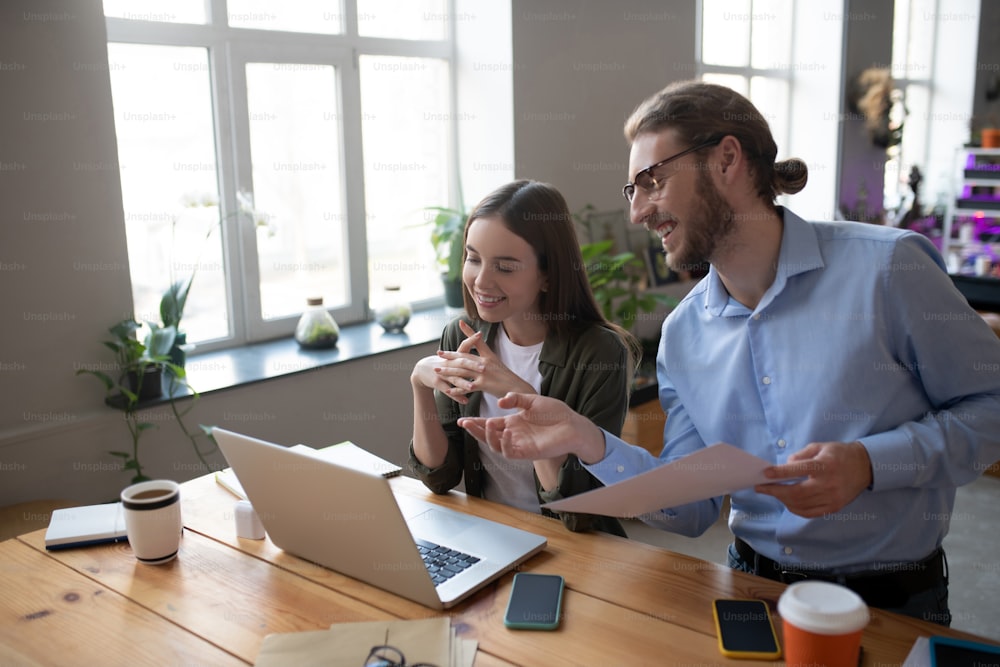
x=747, y=46
x=272, y=152
x=756, y=47
x=934, y=65
x=911, y=71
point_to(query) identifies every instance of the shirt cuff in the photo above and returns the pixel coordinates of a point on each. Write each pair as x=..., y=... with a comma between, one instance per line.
x=615, y=466
x=893, y=465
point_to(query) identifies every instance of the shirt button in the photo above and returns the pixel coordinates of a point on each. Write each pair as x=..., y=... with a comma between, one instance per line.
x=620, y=468
x=788, y=551
x=766, y=380
x=782, y=443
x=756, y=316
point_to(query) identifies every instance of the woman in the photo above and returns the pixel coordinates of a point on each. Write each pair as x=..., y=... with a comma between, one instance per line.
x=532, y=325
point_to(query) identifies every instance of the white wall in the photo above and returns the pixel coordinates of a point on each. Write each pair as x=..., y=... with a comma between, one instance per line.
x=484, y=96
x=580, y=68
x=62, y=241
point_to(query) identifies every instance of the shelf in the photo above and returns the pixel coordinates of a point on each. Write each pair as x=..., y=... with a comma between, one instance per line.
x=982, y=177
x=980, y=173
x=974, y=213
x=971, y=204
x=978, y=150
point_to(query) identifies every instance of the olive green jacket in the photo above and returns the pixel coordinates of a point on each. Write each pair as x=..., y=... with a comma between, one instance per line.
x=589, y=371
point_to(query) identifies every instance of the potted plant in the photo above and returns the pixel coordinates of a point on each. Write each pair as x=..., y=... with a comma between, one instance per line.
x=616, y=280
x=141, y=365
x=447, y=235
x=140, y=378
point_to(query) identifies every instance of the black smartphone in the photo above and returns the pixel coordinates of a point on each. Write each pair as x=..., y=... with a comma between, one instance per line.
x=745, y=629
x=949, y=652
x=535, y=602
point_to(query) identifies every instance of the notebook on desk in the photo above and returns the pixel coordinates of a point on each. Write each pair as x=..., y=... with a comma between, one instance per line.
x=349, y=521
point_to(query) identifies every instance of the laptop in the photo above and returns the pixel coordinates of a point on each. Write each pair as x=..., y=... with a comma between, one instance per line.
x=349, y=521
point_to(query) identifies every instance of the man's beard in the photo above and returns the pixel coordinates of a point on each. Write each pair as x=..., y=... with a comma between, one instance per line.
x=705, y=231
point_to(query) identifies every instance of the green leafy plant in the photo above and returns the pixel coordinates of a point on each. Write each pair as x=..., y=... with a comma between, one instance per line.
x=447, y=230
x=140, y=367
x=139, y=364
x=617, y=279
x=173, y=301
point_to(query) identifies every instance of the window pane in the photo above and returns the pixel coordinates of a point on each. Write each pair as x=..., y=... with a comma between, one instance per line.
x=770, y=96
x=406, y=153
x=900, y=30
x=913, y=148
x=318, y=16
x=297, y=182
x=772, y=34
x=165, y=11
x=163, y=119
x=919, y=56
x=737, y=83
x=403, y=19
x=725, y=32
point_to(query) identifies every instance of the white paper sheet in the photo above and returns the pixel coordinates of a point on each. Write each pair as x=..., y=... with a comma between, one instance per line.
x=920, y=654
x=713, y=471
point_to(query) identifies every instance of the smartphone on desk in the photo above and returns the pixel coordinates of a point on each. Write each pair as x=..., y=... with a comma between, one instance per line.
x=745, y=629
x=949, y=652
x=535, y=602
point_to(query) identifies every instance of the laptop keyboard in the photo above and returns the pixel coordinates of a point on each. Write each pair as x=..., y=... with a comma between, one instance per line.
x=443, y=563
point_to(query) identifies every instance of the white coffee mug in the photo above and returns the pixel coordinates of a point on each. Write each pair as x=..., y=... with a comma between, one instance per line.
x=153, y=519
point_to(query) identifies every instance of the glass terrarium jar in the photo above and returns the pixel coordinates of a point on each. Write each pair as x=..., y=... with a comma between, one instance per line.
x=392, y=311
x=316, y=330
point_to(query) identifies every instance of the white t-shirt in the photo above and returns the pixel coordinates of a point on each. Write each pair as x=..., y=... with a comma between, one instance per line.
x=510, y=481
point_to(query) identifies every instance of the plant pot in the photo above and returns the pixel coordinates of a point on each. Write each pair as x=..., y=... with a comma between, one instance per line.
x=990, y=137
x=452, y=292
x=152, y=382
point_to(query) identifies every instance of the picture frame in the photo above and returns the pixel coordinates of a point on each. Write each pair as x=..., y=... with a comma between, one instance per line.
x=660, y=272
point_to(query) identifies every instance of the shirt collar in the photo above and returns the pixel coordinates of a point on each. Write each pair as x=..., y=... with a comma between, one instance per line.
x=799, y=253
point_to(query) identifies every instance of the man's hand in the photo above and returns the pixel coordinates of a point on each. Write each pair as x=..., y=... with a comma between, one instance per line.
x=544, y=428
x=836, y=473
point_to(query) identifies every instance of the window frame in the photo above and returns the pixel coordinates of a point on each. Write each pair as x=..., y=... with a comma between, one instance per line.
x=229, y=49
x=748, y=72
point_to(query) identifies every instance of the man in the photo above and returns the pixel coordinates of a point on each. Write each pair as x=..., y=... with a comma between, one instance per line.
x=841, y=352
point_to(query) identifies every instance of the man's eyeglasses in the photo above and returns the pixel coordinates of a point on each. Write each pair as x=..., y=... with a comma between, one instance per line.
x=389, y=656
x=646, y=180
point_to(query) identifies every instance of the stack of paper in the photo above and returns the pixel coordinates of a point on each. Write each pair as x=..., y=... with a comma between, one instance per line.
x=430, y=640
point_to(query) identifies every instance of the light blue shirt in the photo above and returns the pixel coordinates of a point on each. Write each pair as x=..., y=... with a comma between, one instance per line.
x=861, y=337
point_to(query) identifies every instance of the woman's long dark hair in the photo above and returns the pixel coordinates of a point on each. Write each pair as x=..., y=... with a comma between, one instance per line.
x=538, y=213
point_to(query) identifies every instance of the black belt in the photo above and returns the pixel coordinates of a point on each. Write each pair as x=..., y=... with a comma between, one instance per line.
x=884, y=588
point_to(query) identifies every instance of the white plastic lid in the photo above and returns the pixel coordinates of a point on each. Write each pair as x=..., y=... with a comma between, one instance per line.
x=823, y=608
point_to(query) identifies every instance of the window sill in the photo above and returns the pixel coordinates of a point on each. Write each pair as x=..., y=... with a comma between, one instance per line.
x=259, y=362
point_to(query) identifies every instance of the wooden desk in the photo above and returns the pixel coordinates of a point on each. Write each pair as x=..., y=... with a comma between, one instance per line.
x=625, y=603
